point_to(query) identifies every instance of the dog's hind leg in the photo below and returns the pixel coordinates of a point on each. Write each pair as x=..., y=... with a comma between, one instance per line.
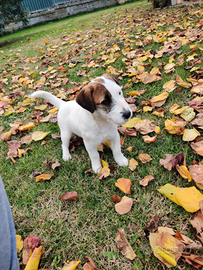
x=65, y=138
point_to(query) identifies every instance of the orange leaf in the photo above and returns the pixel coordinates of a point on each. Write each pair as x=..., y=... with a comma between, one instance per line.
x=144, y=182
x=26, y=126
x=124, y=185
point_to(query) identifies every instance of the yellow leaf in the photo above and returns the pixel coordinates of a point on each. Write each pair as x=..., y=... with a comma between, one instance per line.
x=132, y=164
x=190, y=135
x=157, y=129
x=19, y=243
x=130, y=123
x=42, y=177
x=6, y=136
x=124, y=185
x=169, y=66
x=145, y=158
x=104, y=164
x=173, y=108
x=169, y=257
x=41, y=107
x=188, y=114
x=39, y=135
x=33, y=262
x=182, y=83
x=54, y=110
x=147, y=109
x=107, y=143
x=169, y=191
x=170, y=86
x=183, y=171
x=26, y=126
x=71, y=266
x=161, y=97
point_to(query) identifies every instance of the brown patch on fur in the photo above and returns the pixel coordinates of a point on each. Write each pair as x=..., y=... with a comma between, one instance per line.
x=112, y=77
x=92, y=95
x=99, y=80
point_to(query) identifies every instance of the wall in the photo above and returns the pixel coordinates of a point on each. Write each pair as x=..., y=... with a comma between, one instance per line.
x=64, y=10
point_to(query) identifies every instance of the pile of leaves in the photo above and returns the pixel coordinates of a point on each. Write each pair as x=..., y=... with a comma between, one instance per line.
x=157, y=56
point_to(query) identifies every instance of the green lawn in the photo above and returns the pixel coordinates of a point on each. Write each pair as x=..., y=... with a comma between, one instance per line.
x=82, y=48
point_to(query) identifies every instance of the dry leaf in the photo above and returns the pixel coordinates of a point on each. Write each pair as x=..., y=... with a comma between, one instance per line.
x=144, y=158
x=105, y=172
x=30, y=243
x=145, y=126
x=43, y=177
x=27, y=126
x=39, y=135
x=6, y=136
x=190, y=135
x=167, y=162
x=71, y=265
x=130, y=123
x=19, y=243
x=115, y=198
x=183, y=171
x=197, y=146
x=124, y=246
x=124, y=206
x=89, y=266
x=145, y=181
x=132, y=164
x=180, y=82
x=124, y=185
x=72, y=195
x=196, y=172
x=55, y=165
x=33, y=262
x=149, y=139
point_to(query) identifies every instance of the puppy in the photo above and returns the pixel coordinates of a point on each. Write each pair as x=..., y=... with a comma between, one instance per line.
x=95, y=114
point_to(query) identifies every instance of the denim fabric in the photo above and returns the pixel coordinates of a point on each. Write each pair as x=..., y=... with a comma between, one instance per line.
x=8, y=254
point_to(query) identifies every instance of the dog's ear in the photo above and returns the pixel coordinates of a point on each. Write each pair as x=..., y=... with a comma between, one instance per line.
x=85, y=98
x=112, y=77
x=92, y=95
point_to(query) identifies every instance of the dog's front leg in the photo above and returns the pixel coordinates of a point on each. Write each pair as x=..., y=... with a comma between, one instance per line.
x=94, y=156
x=116, y=149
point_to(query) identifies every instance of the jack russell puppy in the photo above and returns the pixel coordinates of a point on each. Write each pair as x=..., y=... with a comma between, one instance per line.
x=96, y=113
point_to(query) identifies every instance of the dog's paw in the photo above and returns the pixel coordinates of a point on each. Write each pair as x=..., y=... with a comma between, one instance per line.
x=97, y=169
x=122, y=161
x=66, y=157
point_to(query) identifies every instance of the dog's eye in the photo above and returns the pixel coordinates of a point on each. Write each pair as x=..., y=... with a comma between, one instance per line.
x=106, y=101
x=119, y=93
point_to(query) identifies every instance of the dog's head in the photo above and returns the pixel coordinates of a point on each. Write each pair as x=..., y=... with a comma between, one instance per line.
x=104, y=96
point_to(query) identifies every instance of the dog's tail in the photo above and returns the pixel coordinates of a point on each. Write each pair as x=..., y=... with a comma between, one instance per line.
x=57, y=102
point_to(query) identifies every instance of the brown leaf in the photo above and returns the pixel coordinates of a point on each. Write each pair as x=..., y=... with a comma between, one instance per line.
x=55, y=165
x=115, y=198
x=6, y=136
x=153, y=224
x=196, y=172
x=128, y=131
x=72, y=195
x=26, y=139
x=124, y=246
x=167, y=162
x=91, y=265
x=197, y=146
x=197, y=223
x=179, y=159
x=13, y=145
x=124, y=206
x=145, y=126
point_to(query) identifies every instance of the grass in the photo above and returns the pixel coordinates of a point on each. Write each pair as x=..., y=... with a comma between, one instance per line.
x=71, y=230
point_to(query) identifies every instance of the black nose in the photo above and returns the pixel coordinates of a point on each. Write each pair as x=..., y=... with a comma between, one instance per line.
x=126, y=114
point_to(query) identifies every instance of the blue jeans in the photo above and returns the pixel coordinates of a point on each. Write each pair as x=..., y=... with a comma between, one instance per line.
x=8, y=253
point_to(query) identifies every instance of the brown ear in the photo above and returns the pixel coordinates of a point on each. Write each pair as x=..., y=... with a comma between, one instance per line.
x=85, y=98
x=92, y=95
x=112, y=77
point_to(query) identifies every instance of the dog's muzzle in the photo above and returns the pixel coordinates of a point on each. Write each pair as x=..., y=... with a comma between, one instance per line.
x=126, y=114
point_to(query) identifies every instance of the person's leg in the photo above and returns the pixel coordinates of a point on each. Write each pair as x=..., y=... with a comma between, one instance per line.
x=8, y=253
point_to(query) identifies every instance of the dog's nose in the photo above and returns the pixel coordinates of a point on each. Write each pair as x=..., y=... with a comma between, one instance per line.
x=126, y=114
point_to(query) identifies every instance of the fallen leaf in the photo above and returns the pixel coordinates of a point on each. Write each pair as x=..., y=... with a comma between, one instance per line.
x=132, y=164
x=115, y=198
x=130, y=123
x=167, y=162
x=19, y=243
x=188, y=198
x=89, y=266
x=124, y=185
x=145, y=181
x=30, y=243
x=6, y=136
x=71, y=265
x=196, y=172
x=43, y=177
x=39, y=135
x=183, y=171
x=197, y=146
x=158, y=101
x=124, y=246
x=72, y=195
x=170, y=86
x=197, y=223
x=149, y=139
x=105, y=172
x=145, y=126
x=33, y=262
x=55, y=165
x=188, y=114
x=144, y=158
x=180, y=82
x=190, y=135
x=124, y=206
x=27, y=126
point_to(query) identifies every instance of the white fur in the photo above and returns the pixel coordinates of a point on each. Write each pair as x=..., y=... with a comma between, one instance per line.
x=94, y=128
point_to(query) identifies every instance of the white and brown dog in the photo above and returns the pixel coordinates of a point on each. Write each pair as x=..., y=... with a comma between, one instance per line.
x=95, y=114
